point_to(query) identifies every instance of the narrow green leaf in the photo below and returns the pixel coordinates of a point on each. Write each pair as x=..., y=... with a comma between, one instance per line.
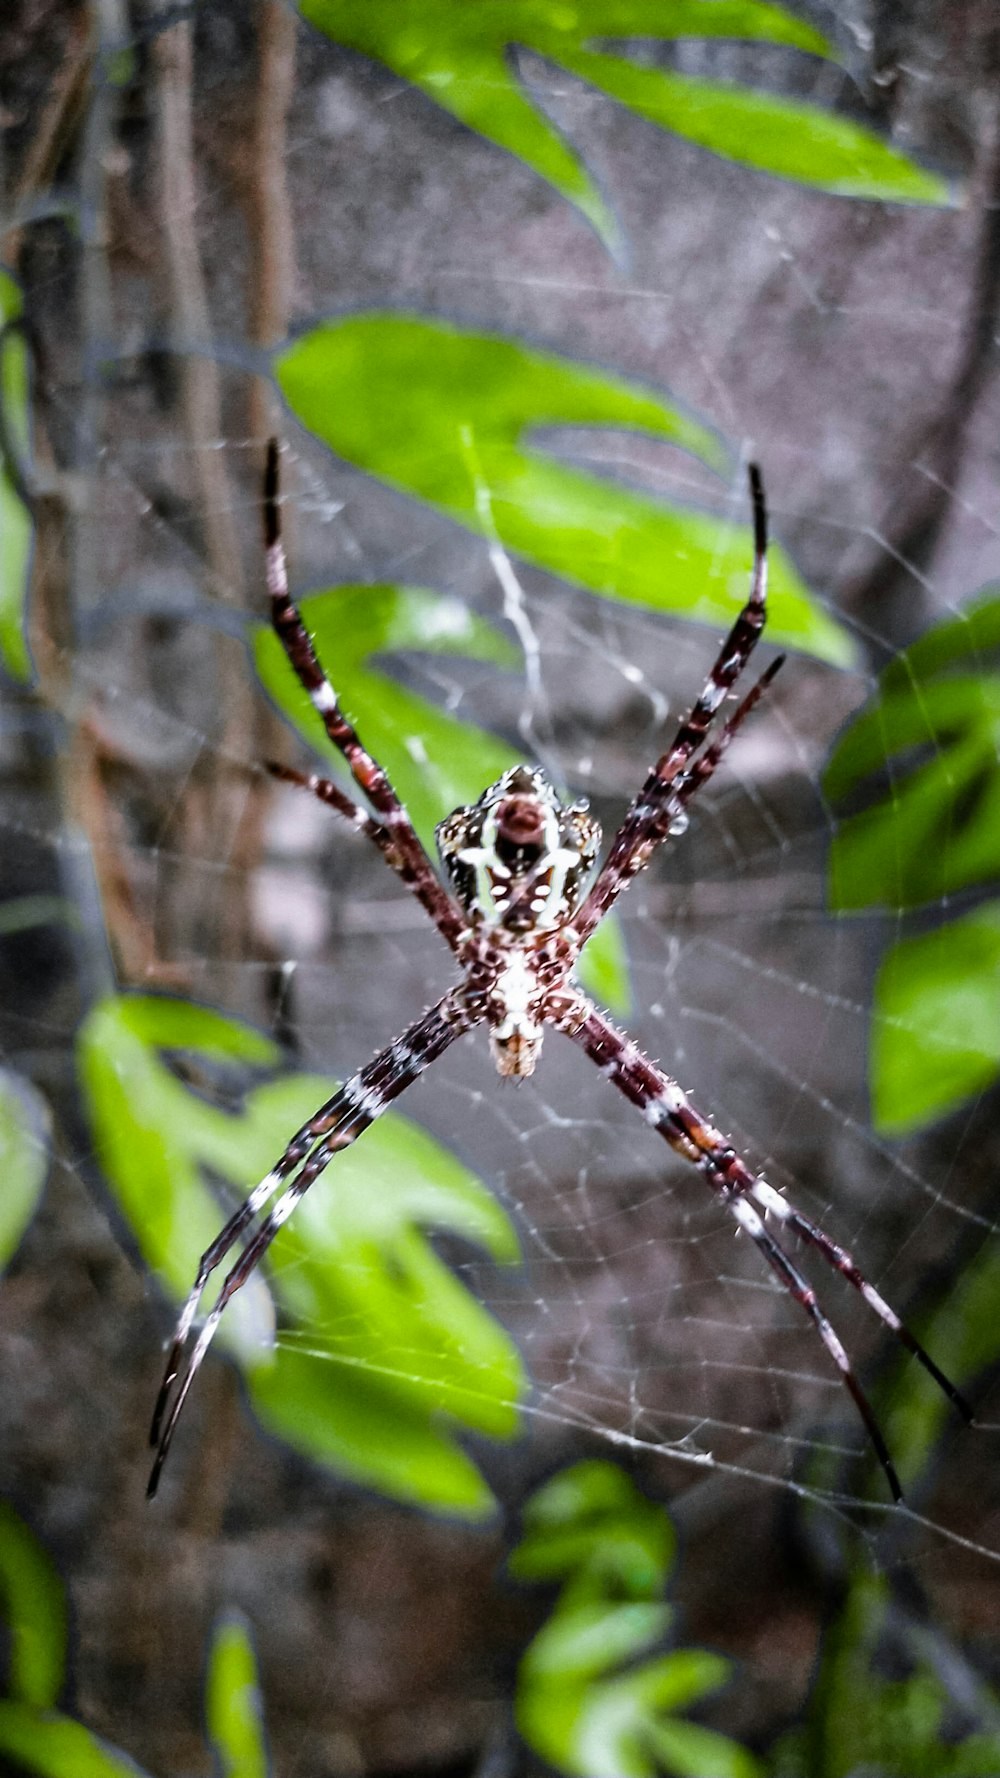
x=53, y=1746
x=233, y=1707
x=15, y=524
x=459, y=56
x=463, y=407
x=580, y=1642
x=785, y=137
x=936, y=1021
x=24, y=1159
x=34, y=1609
x=686, y=1750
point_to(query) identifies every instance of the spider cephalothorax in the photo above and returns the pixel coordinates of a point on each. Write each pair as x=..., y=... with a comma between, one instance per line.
x=519, y=858
x=519, y=863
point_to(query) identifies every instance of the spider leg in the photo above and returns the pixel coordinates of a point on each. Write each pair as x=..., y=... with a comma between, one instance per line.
x=672, y=782
x=689, y=782
x=668, y=1110
x=402, y=848
x=840, y=1260
x=335, y=1126
x=334, y=798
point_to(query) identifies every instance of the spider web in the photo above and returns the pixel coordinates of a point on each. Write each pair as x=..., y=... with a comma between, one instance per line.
x=833, y=341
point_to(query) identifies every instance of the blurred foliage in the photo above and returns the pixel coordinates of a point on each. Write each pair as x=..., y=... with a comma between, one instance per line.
x=234, y=1714
x=435, y=761
x=463, y=407
x=916, y=780
x=397, y=1349
x=460, y=56
x=15, y=521
x=24, y=1158
x=39, y=1739
x=594, y=1697
x=892, y=1699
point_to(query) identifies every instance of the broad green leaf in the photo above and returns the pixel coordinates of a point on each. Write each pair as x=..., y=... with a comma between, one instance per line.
x=921, y=760
x=460, y=57
x=936, y=1021
x=463, y=408
x=922, y=756
x=233, y=1709
x=24, y=1159
x=936, y=1043
x=435, y=761
x=54, y=1746
x=155, y=1137
x=34, y=1610
x=15, y=524
x=392, y=1348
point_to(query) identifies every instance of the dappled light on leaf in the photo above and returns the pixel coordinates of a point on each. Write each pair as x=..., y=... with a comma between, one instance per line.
x=464, y=406
x=460, y=56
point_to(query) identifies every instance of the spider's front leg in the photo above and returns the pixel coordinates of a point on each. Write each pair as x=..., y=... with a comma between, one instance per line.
x=661, y=803
x=748, y=1199
x=393, y=831
x=335, y=1126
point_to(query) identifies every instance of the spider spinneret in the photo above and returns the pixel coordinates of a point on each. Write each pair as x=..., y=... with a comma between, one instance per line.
x=522, y=906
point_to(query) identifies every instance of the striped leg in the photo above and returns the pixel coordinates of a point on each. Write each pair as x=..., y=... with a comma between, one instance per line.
x=334, y=798
x=335, y=1126
x=673, y=781
x=402, y=847
x=667, y=1109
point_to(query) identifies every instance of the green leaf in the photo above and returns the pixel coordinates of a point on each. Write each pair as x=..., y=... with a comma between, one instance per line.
x=155, y=1138
x=15, y=523
x=591, y=1520
x=922, y=758
x=462, y=404
x=460, y=57
x=860, y=1720
x=584, y=1701
x=35, y=1612
x=435, y=761
x=392, y=1349
x=233, y=1709
x=936, y=1021
x=392, y=1342
x=580, y=1642
x=24, y=1159
x=937, y=829
x=54, y=1746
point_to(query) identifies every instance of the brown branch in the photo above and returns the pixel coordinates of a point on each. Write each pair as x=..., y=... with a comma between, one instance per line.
x=272, y=271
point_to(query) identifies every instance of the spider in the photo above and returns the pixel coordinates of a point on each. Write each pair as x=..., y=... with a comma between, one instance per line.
x=521, y=901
